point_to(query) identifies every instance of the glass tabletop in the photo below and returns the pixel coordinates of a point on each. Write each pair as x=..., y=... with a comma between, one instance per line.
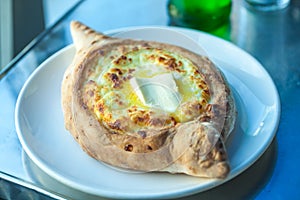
x=270, y=37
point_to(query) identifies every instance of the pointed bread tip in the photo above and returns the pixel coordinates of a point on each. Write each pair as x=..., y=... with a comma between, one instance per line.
x=83, y=36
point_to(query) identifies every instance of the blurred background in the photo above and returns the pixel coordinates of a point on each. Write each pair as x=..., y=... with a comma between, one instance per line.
x=23, y=20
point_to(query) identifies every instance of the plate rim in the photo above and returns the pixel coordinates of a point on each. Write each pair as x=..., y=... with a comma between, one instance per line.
x=178, y=193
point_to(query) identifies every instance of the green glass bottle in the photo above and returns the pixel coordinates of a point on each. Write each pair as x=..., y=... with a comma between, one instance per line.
x=206, y=15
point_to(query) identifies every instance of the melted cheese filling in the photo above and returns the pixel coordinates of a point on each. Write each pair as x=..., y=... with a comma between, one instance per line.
x=119, y=106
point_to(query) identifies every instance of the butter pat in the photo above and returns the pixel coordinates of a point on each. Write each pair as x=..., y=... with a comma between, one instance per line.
x=159, y=91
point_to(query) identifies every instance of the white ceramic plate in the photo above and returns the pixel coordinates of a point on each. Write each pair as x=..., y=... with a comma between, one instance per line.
x=40, y=127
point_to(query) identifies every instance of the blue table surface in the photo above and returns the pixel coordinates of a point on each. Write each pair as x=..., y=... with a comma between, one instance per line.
x=273, y=38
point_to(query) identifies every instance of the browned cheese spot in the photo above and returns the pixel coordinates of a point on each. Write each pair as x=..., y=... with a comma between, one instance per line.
x=128, y=147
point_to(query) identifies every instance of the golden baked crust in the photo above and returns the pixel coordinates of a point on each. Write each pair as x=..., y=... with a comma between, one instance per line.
x=112, y=126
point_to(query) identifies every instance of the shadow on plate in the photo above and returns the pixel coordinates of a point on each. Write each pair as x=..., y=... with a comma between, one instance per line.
x=246, y=185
